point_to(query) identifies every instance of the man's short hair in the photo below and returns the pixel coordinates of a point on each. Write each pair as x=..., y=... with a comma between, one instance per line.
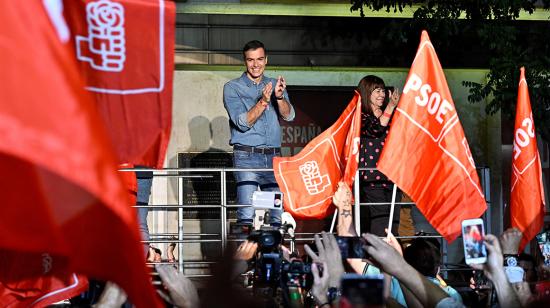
x=253, y=45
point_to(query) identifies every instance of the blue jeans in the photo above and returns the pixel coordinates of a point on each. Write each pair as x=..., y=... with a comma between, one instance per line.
x=249, y=181
x=143, y=193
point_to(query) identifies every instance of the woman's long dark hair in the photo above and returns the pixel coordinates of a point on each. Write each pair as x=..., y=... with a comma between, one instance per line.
x=365, y=88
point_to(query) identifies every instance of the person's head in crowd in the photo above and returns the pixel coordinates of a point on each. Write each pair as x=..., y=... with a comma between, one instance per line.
x=423, y=256
x=255, y=59
x=527, y=262
x=373, y=93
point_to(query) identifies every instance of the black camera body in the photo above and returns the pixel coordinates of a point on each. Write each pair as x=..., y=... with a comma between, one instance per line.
x=297, y=274
x=268, y=239
x=270, y=268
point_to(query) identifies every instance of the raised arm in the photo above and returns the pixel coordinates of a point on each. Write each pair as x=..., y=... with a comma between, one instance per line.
x=389, y=260
x=285, y=108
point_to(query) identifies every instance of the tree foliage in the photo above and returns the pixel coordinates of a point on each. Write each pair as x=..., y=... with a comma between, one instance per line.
x=509, y=44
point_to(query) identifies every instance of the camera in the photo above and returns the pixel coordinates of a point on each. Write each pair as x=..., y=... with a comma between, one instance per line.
x=297, y=274
x=273, y=277
x=268, y=240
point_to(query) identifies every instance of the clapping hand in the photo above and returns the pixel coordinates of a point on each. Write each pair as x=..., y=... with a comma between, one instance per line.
x=280, y=87
x=266, y=94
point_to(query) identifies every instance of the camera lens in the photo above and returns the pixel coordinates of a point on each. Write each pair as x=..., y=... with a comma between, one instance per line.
x=268, y=240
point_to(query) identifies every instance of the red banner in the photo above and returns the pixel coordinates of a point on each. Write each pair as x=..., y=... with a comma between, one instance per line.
x=308, y=180
x=125, y=51
x=36, y=280
x=527, y=193
x=62, y=194
x=426, y=153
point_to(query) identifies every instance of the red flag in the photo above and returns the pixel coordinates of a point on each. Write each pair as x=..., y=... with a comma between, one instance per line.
x=125, y=51
x=426, y=153
x=308, y=180
x=36, y=280
x=62, y=194
x=527, y=193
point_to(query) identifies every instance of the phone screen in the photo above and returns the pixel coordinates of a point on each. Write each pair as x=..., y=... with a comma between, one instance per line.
x=351, y=247
x=367, y=291
x=474, y=247
x=543, y=241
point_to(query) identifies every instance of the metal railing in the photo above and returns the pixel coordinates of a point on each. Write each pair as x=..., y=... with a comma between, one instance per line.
x=187, y=173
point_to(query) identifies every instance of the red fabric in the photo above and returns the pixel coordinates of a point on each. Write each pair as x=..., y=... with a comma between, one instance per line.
x=426, y=153
x=47, y=280
x=134, y=92
x=62, y=193
x=308, y=180
x=527, y=194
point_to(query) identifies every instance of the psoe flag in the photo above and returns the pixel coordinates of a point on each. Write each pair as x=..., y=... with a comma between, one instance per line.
x=125, y=52
x=426, y=153
x=308, y=180
x=527, y=193
x=64, y=203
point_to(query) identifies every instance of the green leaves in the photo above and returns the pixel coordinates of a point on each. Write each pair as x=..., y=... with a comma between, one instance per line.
x=508, y=43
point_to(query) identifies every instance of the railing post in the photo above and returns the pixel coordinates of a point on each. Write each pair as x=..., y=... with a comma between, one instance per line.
x=223, y=213
x=357, y=206
x=180, y=224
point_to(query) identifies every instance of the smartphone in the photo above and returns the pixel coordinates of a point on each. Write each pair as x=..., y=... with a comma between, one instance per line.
x=472, y=236
x=351, y=247
x=543, y=241
x=364, y=291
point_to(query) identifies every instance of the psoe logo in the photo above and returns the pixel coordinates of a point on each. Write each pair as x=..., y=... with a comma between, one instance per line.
x=314, y=181
x=104, y=47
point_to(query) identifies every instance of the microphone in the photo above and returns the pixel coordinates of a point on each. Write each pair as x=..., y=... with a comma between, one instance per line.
x=288, y=223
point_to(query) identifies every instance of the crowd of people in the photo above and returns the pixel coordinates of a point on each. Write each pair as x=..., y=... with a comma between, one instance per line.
x=411, y=273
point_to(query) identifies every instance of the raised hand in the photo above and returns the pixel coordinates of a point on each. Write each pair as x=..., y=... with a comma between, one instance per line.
x=342, y=197
x=329, y=252
x=394, y=97
x=182, y=291
x=266, y=94
x=320, y=283
x=509, y=240
x=246, y=251
x=385, y=256
x=280, y=87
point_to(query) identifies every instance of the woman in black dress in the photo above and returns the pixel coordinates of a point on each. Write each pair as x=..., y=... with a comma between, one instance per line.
x=378, y=106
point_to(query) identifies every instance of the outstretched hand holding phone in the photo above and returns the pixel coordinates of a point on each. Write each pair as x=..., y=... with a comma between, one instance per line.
x=494, y=270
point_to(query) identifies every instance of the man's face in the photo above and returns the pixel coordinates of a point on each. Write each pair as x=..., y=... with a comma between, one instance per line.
x=255, y=60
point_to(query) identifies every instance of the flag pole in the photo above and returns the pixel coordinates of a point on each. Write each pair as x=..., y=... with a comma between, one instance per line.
x=391, y=209
x=333, y=221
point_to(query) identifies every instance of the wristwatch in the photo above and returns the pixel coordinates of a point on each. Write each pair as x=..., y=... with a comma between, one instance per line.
x=332, y=294
x=510, y=260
